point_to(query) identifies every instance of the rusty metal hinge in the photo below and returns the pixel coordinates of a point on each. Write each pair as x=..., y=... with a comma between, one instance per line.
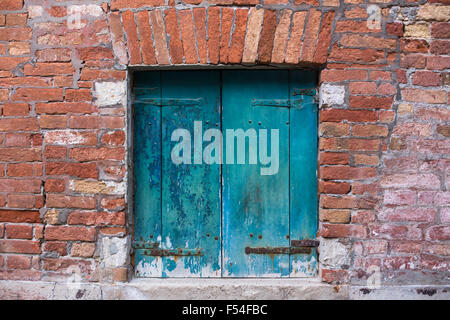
x=297, y=247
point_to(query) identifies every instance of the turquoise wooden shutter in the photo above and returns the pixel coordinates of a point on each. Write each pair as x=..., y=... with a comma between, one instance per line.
x=267, y=217
x=188, y=241
x=230, y=220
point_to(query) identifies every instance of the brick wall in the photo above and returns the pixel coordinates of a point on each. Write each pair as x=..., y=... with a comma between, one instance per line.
x=384, y=125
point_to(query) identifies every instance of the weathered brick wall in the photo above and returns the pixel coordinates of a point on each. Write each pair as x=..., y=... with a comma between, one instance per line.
x=384, y=124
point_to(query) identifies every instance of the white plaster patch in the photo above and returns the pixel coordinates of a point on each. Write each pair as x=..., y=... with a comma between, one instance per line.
x=85, y=10
x=332, y=94
x=35, y=11
x=332, y=253
x=114, y=252
x=110, y=93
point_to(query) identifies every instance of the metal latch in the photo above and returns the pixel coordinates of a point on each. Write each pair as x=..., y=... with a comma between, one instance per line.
x=297, y=246
x=153, y=249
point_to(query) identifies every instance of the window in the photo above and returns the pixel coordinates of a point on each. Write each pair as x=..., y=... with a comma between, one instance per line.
x=225, y=181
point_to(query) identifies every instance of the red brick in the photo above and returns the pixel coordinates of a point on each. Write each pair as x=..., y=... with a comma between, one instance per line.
x=370, y=102
x=55, y=246
x=20, y=154
x=96, y=218
x=17, y=231
x=41, y=94
x=267, y=36
x=225, y=33
x=406, y=247
x=55, y=152
x=342, y=231
x=427, y=96
x=159, y=35
x=238, y=36
x=55, y=185
x=95, y=53
x=337, y=115
x=20, y=201
x=334, y=276
x=90, y=74
x=23, y=185
x=65, y=233
x=311, y=35
x=16, y=109
x=132, y=38
x=334, y=187
x=19, y=216
x=20, y=246
x=363, y=87
x=64, y=265
x=145, y=37
x=213, y=34
x=440, y=30
x=334, y=158
x=93, y=154
x=342, y=75
x=294, y=43
x=57, y=11
x=48, y=69
x=53, y=122
x=175, y=44
x=27, y=124
x=354, y=26
x=81, y=170
x=355, y=55
x=346, y=173
x=188, y=36
x=54, y=55
x=395, y=29
x=401, y=76
x=19, y=170
x=64, y=108
x=78, y=95
x=115, y=138
x=414, y=45
x=438, y=63
x=440, y=47
x=369, y=130
x=332, y=129
x=11, y=5
x=408, y=215
x=324, y=39
x=63, y=201
x=200, y=33
x=437, y=233
x=18, y=262
x=121, y=4
x=113, y=204
x=15, y=34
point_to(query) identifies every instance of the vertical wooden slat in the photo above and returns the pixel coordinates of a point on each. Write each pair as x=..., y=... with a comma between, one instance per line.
x=255, y=206
x=190, y=192
x=303, y=172
x=147, y=171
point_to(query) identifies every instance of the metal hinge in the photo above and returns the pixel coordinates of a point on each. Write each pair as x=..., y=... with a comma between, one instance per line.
x=152, y=249
x=167, y=102
x=310, y=92
x=297, y=246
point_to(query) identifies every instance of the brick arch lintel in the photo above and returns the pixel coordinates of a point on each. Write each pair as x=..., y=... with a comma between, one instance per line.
x=222, y=35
